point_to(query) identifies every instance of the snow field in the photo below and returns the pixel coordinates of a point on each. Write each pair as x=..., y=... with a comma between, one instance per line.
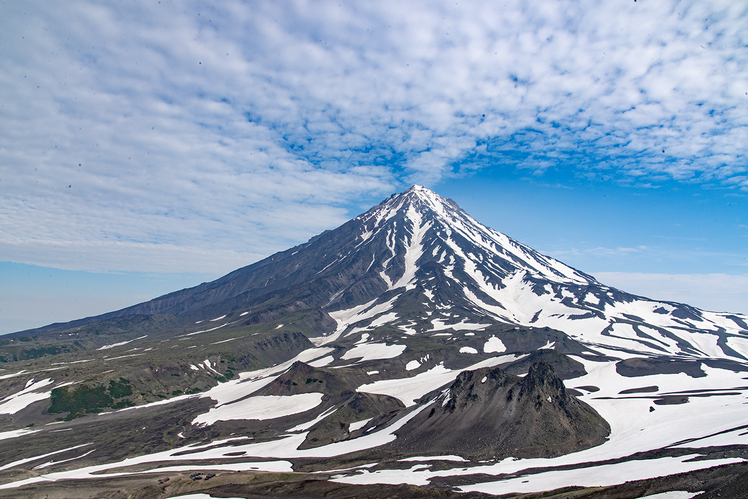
x=322, y=362
x=520, y=304
x=414, y=249
x=494, y=345
x=597, y=476
x=22, y=399
x=373, y=351
x=248, y=382
x=634, y=429
x=261, y=407
x=4, y=435
x=440, y=325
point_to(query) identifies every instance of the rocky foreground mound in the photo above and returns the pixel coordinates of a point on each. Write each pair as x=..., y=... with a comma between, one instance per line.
x=488, y=413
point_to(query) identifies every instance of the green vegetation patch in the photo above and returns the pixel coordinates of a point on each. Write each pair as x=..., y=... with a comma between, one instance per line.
x=14, y=354
x=120, y=389
x=86, y=399
x=79, y=401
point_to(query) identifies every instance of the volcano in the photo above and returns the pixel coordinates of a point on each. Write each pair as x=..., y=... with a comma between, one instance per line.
x=412, y=344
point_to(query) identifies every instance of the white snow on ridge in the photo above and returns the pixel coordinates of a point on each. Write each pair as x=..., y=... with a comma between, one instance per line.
x=206, y=330
x=391, y=245
x=358, y=425
x=4, y=435
x=22, y=399
x=13, y=375
x=113, y=345
x=408, y=329
x=382, y=320
x=408, y=390
x=51, y=463
x=306, y=426
x=373, y=351
x=261, y=407
x=434, y=458
x=352, y=315
x=252, y=381
x=440, y=325
x=740, y=345
x=329, y=359
x=521, y=305
x=36, y=458
x=414, y=249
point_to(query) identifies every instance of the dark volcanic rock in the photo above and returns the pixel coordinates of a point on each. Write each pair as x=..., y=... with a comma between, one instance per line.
x=639, y=366
x=338, y=387
x=492, y=414
x=564, y=366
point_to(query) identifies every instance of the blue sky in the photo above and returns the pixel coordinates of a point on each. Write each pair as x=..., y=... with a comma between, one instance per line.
x=148, y=146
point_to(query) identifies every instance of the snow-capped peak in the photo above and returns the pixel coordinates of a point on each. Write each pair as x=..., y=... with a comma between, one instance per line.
x=418, y=240
x=419, y=218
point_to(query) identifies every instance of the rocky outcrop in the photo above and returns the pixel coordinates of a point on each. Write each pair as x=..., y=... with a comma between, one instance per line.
x=488, y=414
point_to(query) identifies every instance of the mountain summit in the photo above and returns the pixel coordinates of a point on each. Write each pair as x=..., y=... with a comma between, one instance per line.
x=410, y=334
x=420, y=248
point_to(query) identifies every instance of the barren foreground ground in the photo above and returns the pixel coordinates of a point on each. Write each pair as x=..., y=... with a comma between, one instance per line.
x=725, y=482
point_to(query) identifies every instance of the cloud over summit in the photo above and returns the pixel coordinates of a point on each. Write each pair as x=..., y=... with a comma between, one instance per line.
x=246, y=126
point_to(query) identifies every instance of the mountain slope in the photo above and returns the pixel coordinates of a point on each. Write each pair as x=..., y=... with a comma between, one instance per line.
x=422, y=248
x=373, y=339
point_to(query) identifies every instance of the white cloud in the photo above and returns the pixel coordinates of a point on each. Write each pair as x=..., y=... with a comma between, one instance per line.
x=243, y=127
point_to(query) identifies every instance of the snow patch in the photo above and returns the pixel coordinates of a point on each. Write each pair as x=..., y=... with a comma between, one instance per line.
x=261, y=407
x=494, y=344
x=324, y=361
x=373, y=351
x=107, y=347
x=358, y=425
x=22, y=399
x=309, y=424
x=408, y=390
